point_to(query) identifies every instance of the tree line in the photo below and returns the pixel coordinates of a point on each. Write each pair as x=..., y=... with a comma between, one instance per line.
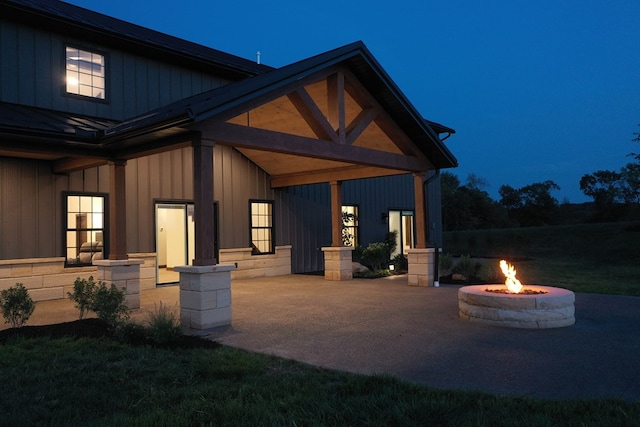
x=467, y=206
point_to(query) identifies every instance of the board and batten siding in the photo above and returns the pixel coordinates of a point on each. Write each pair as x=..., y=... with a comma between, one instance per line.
x=304, y=214
x=135, y=85
x=169, y=176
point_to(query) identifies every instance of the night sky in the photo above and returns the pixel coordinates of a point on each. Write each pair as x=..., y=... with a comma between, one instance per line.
x=536, y=90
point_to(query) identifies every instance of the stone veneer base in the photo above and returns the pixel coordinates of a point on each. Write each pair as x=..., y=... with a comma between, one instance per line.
x=338, y=263
x=205, y=296
x=421, y=267
x=553, y=309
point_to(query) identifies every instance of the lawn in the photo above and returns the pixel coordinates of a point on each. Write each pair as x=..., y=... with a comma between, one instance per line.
x=103, y=382
x=601, y=258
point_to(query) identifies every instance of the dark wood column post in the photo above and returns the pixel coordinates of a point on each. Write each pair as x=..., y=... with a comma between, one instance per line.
x=336, y=213
x=117, y=210
x=421, y=218
x=203, y=201
x=336, y=105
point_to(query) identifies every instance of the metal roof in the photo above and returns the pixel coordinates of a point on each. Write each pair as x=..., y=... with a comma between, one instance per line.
x=355, y=56
x=253, y=81
x=104, y=29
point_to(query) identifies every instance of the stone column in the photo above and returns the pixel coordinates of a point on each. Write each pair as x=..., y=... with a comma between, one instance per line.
x=205, y=296
x=421, y=266
x=125, y=274
x=338, y=263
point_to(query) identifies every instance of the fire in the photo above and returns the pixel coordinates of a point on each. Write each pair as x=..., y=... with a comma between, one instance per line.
x=513, y=284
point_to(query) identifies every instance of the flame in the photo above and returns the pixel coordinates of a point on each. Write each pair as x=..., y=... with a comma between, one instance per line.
x=513, y=284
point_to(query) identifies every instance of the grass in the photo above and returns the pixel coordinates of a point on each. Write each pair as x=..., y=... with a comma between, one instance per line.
x=600, y=258
x=102, y=382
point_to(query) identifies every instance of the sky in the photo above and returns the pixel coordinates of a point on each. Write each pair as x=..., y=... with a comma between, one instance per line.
x=536, y=90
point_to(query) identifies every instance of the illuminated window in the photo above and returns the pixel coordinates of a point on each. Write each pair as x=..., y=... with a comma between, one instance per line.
x=84, y=228
x=85, y=73
x=350, y=228
x=261, y=213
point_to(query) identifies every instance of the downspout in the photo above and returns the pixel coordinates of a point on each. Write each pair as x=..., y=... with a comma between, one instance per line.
x=436, y=277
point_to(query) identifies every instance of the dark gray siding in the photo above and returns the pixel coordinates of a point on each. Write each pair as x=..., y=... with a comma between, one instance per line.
x=135, y=84
x=31, y=219
x=30, y=209
x=303, y=220
x=304, y=214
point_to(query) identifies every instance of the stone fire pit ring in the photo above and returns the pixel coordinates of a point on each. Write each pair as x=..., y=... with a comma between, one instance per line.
x=553, y=309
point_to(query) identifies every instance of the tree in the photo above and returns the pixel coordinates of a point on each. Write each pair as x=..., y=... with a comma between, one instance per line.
x=468, y=207
x=606, y=189
x=531, y=205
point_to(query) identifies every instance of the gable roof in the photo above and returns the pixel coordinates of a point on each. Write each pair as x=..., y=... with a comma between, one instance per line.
x=228, y=100
x=69, y=134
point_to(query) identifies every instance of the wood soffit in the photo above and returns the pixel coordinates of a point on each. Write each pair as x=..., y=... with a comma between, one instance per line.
x=329, y=128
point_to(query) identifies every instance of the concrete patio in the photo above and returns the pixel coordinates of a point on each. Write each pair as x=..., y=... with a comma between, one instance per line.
x=383, y=326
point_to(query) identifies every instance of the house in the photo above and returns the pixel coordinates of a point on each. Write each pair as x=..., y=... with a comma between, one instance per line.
x=130, y=155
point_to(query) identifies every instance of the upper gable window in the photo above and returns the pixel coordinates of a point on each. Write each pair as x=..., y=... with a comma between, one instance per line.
x=85, y=73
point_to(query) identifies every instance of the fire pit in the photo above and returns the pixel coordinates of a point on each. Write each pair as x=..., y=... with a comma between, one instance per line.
x=516, y=306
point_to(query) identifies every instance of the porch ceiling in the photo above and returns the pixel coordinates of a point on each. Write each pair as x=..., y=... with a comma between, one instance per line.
x=326, y=128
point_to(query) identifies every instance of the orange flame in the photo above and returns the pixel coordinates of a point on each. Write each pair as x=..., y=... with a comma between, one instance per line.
x=513, y=284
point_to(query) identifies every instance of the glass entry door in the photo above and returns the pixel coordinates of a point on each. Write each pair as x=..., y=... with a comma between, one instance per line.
x=175, y=246
x=402, y=223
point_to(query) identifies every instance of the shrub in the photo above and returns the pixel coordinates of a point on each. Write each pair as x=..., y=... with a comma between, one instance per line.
x=467, y=267
x=400, y=263
x=83, y=294
x=164, y=327
x=445, y=264
x=375, y=255
x=109, y=304
x=17, y=305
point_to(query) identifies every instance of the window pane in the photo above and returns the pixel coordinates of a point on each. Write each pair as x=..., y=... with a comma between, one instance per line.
x=85, y=204
x=85, y=228
x=85, y=73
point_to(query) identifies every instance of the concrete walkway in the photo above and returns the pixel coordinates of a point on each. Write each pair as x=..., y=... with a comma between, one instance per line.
x=383, y=326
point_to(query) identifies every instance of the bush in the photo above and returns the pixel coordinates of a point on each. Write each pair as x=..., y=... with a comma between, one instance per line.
x=467, y=267
x=445, y=264
x=375, y=255
x=17, y=305
x=400, y=263
x=107, y=302
x=164, y=327
x=83, y=294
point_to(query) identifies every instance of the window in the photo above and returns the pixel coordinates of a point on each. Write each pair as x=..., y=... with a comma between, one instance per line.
x=84, y=228
x=85, y=73
x=261, y=227
x=350, y=228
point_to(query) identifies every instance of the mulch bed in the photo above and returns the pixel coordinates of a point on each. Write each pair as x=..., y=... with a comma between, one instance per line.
x=97, y=328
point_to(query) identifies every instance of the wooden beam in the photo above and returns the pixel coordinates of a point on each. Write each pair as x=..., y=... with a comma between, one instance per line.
x=360, y=94
x=312, y=115
x=72, y=164
x=336, y=213
x=327, y=175
x=117, y=210
x=359, y=124
x=203, y=202
x=261, y=139
x=421, y=217
x=335, y=101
